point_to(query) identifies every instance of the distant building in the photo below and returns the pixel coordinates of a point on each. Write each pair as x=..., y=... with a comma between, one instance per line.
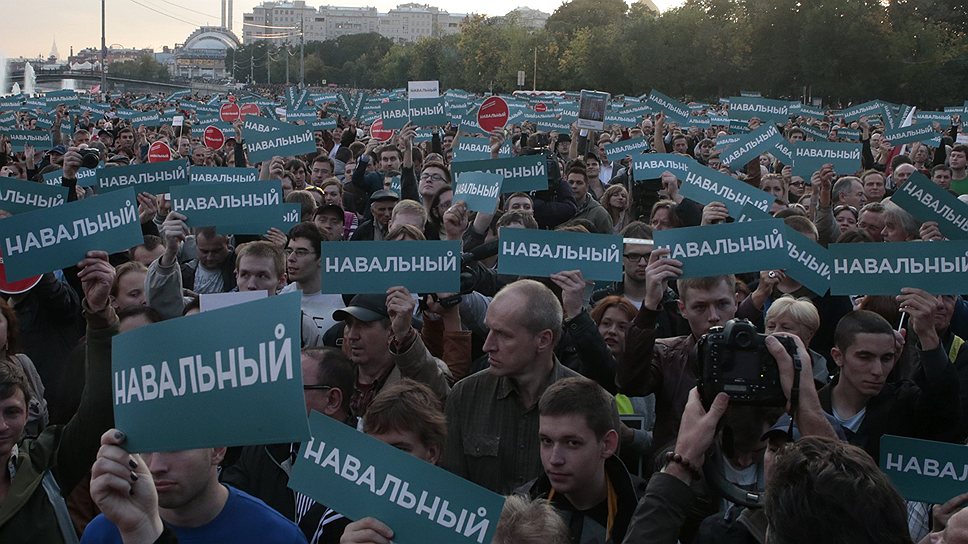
x=527, y=17
x=280, y=22
x=203, y=53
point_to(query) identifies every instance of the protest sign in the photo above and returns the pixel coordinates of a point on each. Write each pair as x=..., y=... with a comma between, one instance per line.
x=213, y=137
x=283, y=140
x=304, y=115
x=751, y=145
x=39, y=241
x=674, y=110
x=493, y=113
x=809, y=262
x=481, y=191
x=712, y=250
x=159, y=152
x=541, y=253
x=806, y=110
x=724, y=142
x=422, y=112
x=19, y=196
x=423, y=89
x=621, y=149
x=284, y=217
x=249, y=109
x=650, y=166
x=327, y=123
x=229, y=112
x=926, y=201
x=552, y=125
x=232, y=386
x=215, y=301
x=155, y=178
x=86, y=177
x=764, y=109
x=704, y=185
x=379, y=132
x=146, y=119
x=866, y=109
x=809, y=157
x=16, y=287
x=522, y=174
x=373, y=267
x=918, y=132
x=468, y=513
x=846, y=133
x=814, y=132
x=41, y=140
x=627, y=121
x=220, y=174
x=884, y=269
x=475, y=149
x=591, y=110
x=221, y=204
x=924, y=470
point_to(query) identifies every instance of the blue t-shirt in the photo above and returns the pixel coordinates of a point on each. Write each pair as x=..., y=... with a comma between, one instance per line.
x=244, y=519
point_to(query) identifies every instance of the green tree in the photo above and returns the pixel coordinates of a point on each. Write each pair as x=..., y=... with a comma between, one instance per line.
x=145, y=68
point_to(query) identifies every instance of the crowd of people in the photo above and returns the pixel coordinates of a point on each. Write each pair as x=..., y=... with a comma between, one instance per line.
x=576, y=400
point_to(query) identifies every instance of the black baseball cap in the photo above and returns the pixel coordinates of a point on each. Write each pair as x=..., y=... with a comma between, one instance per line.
x=367, y=307
x=384, y=194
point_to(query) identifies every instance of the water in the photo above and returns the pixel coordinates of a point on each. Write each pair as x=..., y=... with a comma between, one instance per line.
x=69, y=84
x=30, y=79
x=4, y=76
x=16, y=88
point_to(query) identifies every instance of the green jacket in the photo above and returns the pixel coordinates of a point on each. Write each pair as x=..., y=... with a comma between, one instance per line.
x=68, y=451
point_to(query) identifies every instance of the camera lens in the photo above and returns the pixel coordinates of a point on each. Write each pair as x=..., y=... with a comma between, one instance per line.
x=90, y=159
x=743, y=339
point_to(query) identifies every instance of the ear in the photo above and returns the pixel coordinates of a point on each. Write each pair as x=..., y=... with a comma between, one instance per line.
x=682, y=306
x=434, y=454
x=282, y=282
x=113, y=302
x=838, y=356
x=546, y=340
x=218, y=455
x=609, y=443
x=334, y=401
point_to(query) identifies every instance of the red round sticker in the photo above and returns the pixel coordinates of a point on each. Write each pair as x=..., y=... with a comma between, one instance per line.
x=159, y=152
x=540, y=107
x=15, y=287
x=249, y=109
x=214, y=137
x=493, y=114
x=229, y=112
x=377, y=131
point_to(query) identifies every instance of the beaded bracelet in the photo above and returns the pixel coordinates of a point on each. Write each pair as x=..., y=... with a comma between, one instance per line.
x=673, y=457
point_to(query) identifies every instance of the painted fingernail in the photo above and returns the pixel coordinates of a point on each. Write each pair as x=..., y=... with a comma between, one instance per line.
x=118, y=435
x=134, y=477
x=132, y=464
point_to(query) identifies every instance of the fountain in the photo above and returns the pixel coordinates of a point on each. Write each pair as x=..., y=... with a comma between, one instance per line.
x=4, y=76
x=16, y=89
x=30, y=79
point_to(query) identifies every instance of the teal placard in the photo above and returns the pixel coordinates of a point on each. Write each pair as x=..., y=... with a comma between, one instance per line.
x=752, y=213
x=674, y=110
x=351, y=473
x=551, y=125
x=704, y=185
x=809, y=157
x=928, y=202
x=40, y=139
x=884, y=269
x=221, y=204
x=854, y=113
x=541, y=253
x=219, y=174
x=620, y=150
x=284, y=140
x=521, y=174
x=19, y=196
x=147, y=119
x=650, y=166
x=285, y=216
x=712, y=250
x=814, y=132
x=917, y=132
x=156, y=178
x=475, y=149
x=621, y=120
x=809, y=262
x=481, y=191
x=847, y=133
x=302, y=115
x=924, y=470
x=750, y=146
x=373, y=267
x=423, y=112
x=726, y=141
x=806, y=110
x=40, y=241
x=765, y=109
x=782, y=149
x=328, y=123
x=942, y=117
x=86, y=177
x=230, y=386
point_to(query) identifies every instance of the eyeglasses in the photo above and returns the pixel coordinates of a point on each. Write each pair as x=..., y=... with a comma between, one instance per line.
x=432, y=177
x=636, y=257
x=316, y=387
x=300, y=252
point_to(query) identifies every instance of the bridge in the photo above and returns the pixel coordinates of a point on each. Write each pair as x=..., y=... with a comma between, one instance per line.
x=134, y=85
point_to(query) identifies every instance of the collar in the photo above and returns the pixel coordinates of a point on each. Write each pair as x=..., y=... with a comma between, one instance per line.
x=505, y=386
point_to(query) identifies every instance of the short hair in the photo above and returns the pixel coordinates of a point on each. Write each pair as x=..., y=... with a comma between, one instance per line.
x=211, y=234
x=637, y=229
x=295, y=164
x=581, y=396
x=873, y=207
x=408, y=406
x=509, y=218
x=309, y=231
x=801, y=224
x=123, y=270
x=871, y=172
x=307, y=204
x=518, y=195
x=706, y=282
x=577, y=224
x=409, y=206
x=331, y=181
x=905, y=220
x=940, y=167
x=859, y=322
x=262, y=249
x=435, y=203
x=854, y=236
x=960, y=148
x=820, y=478
x=580, y=170
x=440, y=165
x=389, y=148
x=800, y=310
x=542, y=310
x=842, y=186
x=527, y=521
x=13, y=377
x=796, y=130
x=13, y=327
x=322, y=157
x=333, y=368
x=405, y=231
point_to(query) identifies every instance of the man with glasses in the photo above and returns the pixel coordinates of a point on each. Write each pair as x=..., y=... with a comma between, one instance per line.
x=303, y=265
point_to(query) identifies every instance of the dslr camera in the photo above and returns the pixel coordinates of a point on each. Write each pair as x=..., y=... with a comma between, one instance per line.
x=90, y=157
x=733, y=359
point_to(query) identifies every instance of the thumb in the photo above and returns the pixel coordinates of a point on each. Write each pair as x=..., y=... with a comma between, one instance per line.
x=718, y=407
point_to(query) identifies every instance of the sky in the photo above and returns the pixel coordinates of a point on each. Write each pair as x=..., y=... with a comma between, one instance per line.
x=133, y=23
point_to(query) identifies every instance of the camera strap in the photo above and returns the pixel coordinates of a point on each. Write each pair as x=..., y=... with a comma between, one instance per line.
x=794, y=393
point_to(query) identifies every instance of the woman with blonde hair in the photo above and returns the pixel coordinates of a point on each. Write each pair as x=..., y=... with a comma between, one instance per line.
x=617, y=201
x=799, y=317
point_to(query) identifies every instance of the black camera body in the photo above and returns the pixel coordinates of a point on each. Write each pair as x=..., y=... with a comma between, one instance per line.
x=734, y=360
x=90, y=157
